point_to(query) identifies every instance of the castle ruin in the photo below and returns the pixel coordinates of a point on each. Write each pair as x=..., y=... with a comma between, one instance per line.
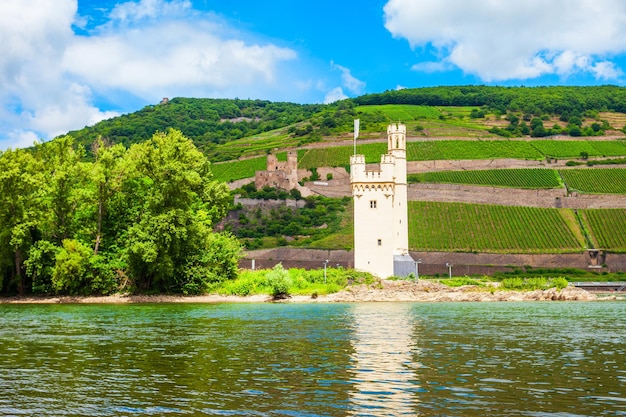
x=283, y=175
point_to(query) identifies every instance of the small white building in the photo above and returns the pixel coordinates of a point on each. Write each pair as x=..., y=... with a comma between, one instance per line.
x=381, y=234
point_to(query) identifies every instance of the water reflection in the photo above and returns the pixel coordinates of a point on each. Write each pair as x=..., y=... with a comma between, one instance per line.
x=383, y=373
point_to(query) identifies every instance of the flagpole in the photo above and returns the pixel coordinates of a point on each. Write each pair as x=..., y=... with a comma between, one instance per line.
x=356, y=133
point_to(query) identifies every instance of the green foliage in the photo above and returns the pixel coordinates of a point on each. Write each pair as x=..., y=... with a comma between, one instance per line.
x=70, y=272
x=21, y=212
x=40, y=266
x=536, y=100
x=303, y=282
x=488, y=228
x=607, y=227
x=532, y=284
x=139, y=219
x=516, y=178
x=208, y=122
x=236, y=170
x=565, y=149
x=279, y=281
x=461, y=281
x=225, y=129
x=597, y=180
x=265, y=193
x=320, y=217
x=560, y=283
x=612, y=161
x=179, y=203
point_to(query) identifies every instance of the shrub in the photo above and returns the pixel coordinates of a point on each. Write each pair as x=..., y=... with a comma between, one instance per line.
x=279, y=282
x=460, y=281
x=560, y=283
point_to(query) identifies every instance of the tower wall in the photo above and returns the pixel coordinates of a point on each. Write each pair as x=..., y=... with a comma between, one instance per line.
x=396, y=146
x=380, y=207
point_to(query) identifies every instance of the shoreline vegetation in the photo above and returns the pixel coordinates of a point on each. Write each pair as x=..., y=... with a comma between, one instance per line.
x=377, y=291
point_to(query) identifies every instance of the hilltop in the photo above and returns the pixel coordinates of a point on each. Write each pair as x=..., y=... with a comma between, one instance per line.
x=226, y=129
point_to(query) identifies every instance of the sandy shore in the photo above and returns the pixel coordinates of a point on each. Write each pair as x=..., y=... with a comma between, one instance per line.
x=384, y=291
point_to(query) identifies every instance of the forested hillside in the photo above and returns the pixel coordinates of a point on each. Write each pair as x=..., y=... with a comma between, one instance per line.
x=531, y=100
x=225, y=129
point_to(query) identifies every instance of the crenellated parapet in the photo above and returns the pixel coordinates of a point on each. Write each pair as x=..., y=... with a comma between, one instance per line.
x=386, y=188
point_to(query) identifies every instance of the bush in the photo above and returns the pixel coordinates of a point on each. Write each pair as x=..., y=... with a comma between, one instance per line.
x=560, y=283
x=535, y=283
x=460, y=281
x=279, y=282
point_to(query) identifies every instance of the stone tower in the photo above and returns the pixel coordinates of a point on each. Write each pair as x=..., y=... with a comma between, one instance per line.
x=283, y=175
x=381, y=236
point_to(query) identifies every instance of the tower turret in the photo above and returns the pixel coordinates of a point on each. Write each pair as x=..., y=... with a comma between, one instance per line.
x=380, y=209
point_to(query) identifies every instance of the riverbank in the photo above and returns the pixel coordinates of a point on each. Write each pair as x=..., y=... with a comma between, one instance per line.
x=382, y=291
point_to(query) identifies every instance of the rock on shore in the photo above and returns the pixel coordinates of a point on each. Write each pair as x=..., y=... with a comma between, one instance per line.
x=432, y=291
x=426, y=291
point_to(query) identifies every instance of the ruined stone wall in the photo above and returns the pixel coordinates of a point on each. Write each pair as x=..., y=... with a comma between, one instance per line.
x=283, y=175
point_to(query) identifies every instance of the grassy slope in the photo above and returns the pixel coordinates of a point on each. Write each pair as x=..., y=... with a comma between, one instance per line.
x=485, y=228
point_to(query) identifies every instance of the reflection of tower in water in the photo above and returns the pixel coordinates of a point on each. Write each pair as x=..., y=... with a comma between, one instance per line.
x=383, y=372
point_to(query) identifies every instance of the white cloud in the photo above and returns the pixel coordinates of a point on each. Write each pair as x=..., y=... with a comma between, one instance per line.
x=19, y=139
x=194, y=61
x=504, y=39
x=351, y=83
x=34, y=35
x=149, y=9
x=335, y=94
x=431, y=66
x=51, y=78
x=606, y=71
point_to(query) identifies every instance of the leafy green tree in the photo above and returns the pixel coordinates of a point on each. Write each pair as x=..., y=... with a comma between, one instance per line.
x=108, y=174
x=66, y=182
x=71, y=268
x=172, y=229
x=575, y=130
x=20, y=214
x=279, y=281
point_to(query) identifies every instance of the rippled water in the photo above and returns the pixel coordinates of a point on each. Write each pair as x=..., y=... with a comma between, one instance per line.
x=469, y=359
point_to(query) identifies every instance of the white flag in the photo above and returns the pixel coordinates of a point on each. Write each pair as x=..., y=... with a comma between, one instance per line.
x=356, y=128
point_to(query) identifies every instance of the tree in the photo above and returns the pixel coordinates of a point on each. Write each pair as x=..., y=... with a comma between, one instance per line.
x=107, y=176
x=20, y=213
x=64, y=193
x=179, y=202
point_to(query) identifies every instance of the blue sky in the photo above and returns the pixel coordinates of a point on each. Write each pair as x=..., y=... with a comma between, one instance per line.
x=65, y=64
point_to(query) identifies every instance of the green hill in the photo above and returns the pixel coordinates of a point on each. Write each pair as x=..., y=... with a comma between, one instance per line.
x=457, y=123
x=225, y=129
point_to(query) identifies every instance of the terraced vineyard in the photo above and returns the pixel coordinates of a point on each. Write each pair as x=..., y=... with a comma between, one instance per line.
x=489, y=228
x=531, y=178
x=565, y=148
x=239, y=169
x=596, y=180
x=487, y=149
x=340, y=155
x=610, y=147
x=607, y=227
x=403, y=112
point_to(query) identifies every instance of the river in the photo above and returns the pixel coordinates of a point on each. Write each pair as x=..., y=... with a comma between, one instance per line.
x=363, y=359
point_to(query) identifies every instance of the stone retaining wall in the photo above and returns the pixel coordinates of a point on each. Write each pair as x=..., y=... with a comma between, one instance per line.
x=433, y=262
